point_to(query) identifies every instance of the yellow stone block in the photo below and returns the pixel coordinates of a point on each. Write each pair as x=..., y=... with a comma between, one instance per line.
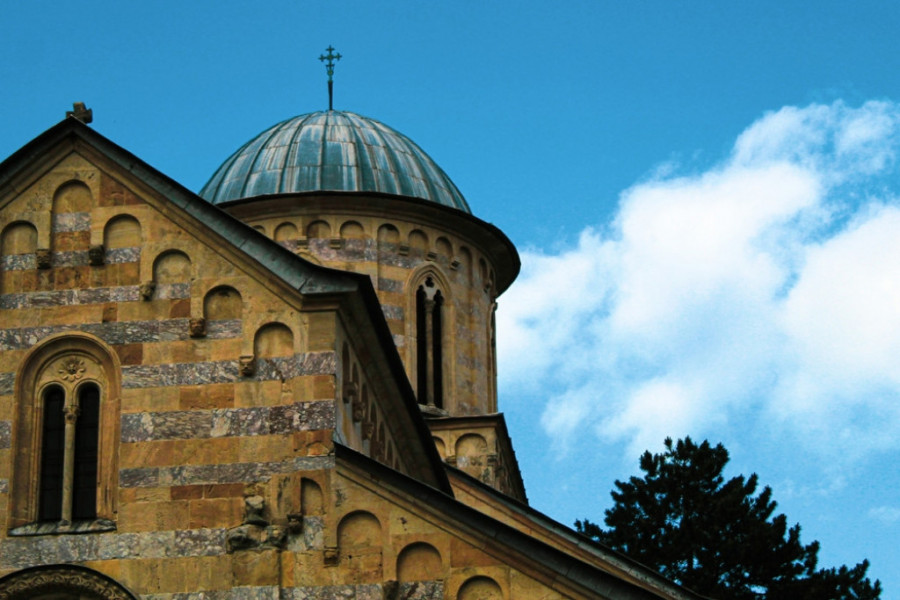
x=255, y=568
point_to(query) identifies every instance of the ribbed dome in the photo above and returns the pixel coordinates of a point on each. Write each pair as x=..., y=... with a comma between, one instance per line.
x=331, y=151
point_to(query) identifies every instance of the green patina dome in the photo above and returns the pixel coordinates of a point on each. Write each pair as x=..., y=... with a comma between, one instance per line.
x=331, y=151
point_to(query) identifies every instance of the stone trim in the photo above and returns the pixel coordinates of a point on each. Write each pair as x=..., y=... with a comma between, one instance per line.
x=392, y=313
x=216, y=474
x=114, y=256
x=21, y=552
x=46, y=299
x=103, y=295
x=75, y=258
x=360, y=591
x=390, y=285
x=417, y=590
x=54, y=527
x=227, y=371
x=216, y=423
x=66, y=222
x=235, y=593
x=7, y=383
x=18, y=262
x=120, y=332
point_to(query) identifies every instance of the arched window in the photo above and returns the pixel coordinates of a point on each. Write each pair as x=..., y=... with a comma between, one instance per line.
x=429, y=344
x=69, y=435
x=67, y=417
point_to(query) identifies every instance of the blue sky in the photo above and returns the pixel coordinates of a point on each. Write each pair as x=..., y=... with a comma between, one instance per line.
x=704, y=195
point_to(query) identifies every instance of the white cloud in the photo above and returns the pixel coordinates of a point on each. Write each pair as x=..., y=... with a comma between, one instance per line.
x=886, y=514
x=770, y=282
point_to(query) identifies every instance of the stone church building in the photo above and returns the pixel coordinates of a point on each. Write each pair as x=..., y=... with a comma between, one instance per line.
x=283, y=387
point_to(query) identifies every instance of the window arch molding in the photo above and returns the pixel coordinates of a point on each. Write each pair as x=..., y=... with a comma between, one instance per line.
x=438, y=351
x=60, y=582
x=71, y=361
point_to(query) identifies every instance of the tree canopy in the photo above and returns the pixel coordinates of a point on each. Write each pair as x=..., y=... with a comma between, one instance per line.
x=717, y=537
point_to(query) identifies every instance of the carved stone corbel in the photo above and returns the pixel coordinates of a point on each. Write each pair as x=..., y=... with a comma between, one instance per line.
x=254, y=506
x=243, y=537
x=147, y=289
x=358, y=409
x=336, y=243
x=332, y=555
x=403, y=249
x=431, y=256
x=42, y=256
x=376, y=447
x=247, y=365
x=351, y=391
x=197, y=327
x=275, y=537
x=96, y=255
x=368, y=428
x=390, y=589
x=295, y=523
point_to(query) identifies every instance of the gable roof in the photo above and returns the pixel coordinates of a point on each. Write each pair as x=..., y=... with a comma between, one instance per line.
x=307, y=278
x=623, y=578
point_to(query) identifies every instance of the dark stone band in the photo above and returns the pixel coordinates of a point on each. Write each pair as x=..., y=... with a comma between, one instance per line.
x=214, y=474
x=229, y=422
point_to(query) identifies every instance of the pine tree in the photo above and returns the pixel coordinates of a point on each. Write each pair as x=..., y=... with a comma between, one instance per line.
x=717, y=537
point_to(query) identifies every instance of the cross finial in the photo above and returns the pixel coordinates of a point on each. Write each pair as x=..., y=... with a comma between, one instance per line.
x=329, y=67
x=80, y=112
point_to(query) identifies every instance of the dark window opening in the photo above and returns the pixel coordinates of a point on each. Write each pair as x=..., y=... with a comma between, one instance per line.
x=429, y=344
x=84, y=484
x=53, y=443
x=436, y=353
x=82, y=481
x=421, y=347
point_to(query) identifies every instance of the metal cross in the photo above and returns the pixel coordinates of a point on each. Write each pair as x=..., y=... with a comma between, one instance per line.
x=329, y=66
x=330, y=57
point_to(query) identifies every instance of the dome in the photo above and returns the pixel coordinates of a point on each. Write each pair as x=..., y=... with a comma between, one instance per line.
x=331, y=151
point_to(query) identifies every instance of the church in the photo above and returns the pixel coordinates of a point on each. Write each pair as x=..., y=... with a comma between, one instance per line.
x=283, y=387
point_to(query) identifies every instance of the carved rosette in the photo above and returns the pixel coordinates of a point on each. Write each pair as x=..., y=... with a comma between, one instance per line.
x=64, y=581
x=69, y=371
x=72, y=369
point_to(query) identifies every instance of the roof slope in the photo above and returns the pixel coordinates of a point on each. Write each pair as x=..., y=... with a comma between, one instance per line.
x=605, y=574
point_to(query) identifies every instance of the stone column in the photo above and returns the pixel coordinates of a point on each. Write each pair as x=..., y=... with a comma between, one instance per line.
x=71, y=411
